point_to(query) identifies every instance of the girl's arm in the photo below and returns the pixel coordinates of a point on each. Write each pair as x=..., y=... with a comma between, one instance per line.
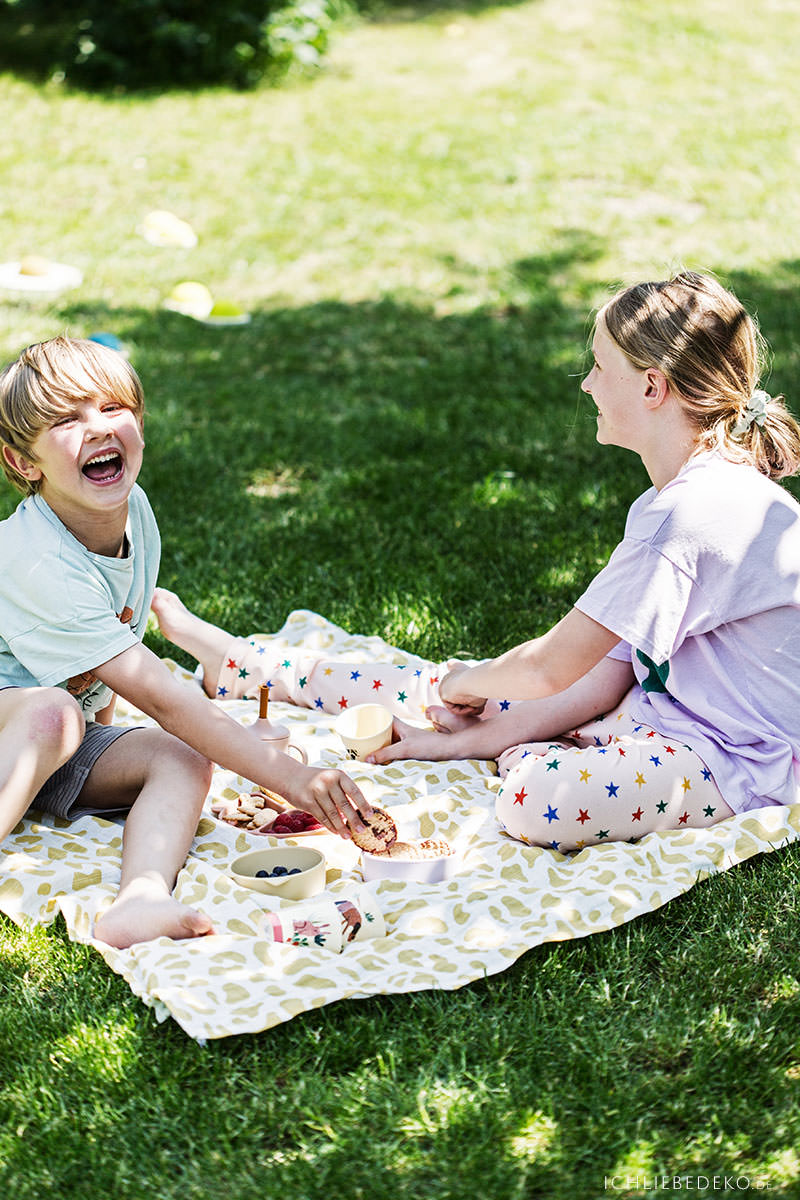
x=141, y=678
x=597, y=692
x=544, y=666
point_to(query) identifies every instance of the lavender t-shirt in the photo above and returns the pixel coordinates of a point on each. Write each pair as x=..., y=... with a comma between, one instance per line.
x=705, y=588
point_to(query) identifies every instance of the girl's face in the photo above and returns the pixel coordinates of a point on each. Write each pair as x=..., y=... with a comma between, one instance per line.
x=617, y=388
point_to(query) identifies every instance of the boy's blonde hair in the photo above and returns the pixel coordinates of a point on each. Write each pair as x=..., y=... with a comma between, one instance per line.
x=48, y=380
x=712, y=354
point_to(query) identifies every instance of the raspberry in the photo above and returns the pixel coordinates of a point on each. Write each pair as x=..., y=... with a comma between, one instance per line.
x=295, y=821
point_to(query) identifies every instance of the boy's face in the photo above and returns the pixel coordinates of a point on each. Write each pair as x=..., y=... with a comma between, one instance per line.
x=89, y=460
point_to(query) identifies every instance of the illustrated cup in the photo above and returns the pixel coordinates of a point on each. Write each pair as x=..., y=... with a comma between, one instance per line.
x=364, y=729
x=325, y=921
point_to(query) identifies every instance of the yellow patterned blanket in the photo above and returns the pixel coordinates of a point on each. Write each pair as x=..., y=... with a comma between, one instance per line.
x=505, y=898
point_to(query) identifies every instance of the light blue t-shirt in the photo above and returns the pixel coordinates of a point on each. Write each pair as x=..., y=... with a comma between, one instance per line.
x=64, y=610
x=705, y=588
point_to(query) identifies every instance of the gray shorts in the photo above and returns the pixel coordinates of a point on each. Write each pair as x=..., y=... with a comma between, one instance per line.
x=60, y=793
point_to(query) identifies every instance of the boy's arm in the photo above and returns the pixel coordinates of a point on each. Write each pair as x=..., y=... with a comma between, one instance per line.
x=141, y=678
x=599, y=691
x=542, y=667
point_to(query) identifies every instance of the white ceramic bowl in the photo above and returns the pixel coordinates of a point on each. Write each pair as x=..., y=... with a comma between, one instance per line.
x=419, y=870
x=309, y=880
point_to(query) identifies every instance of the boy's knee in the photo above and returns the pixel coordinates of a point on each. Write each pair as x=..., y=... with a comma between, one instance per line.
x=53, y=718
x=205, y=771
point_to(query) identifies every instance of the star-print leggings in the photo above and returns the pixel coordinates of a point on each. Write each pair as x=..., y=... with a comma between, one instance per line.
x=332, y=685
x=610, y=780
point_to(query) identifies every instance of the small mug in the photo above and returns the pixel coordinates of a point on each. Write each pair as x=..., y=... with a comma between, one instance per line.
x=285, y=746
x=364, y=729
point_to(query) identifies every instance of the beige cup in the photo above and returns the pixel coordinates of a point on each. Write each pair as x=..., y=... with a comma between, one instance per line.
x=364, y=729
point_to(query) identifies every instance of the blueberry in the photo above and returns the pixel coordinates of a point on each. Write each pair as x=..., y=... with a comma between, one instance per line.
x=262, y=874
x=295, y=871
x=280, y=871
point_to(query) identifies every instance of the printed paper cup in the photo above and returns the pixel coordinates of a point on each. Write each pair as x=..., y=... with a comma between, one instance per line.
x=364, y=729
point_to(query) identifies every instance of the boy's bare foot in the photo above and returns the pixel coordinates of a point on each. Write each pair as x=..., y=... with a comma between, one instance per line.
x=145, y=910
x=204, y=641
x=444, y=721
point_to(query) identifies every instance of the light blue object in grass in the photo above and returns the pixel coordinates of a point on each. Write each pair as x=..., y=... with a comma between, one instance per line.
x=108, y=339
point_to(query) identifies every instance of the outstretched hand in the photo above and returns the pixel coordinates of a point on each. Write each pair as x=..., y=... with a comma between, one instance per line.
x=454, y=691
x=426, y=745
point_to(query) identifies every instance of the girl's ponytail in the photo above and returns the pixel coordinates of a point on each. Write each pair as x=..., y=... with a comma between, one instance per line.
x=765, y=433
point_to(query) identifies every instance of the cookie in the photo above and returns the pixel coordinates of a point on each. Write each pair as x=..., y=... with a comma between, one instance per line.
x=379, y=835
x=416, y=851
x=435, y=848
x=249, y=811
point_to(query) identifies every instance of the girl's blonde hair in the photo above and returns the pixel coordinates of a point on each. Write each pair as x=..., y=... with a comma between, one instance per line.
x=712, y=354
x=48, y=380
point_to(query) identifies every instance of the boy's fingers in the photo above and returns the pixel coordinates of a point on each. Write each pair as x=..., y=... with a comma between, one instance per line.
x=348, y=803
x=355, y=797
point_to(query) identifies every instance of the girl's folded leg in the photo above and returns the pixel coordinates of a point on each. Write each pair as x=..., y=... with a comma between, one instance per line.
x=612, y=785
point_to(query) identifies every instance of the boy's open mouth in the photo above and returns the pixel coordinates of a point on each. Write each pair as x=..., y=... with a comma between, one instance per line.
x=103, y=467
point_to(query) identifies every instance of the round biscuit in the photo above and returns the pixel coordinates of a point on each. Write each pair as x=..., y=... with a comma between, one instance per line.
x=379, y=835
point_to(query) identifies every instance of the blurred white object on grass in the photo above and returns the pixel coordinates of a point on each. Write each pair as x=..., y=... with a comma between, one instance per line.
x=162, y=228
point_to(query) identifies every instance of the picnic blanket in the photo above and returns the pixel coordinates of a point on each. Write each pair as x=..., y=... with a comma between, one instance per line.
x=505, y=898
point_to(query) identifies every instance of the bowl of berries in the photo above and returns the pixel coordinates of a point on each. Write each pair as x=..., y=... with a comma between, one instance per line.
x=291, y=822
x=291, y=872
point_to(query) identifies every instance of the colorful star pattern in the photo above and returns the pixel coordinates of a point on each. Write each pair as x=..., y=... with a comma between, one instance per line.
x=631, y=780
x=659, y=774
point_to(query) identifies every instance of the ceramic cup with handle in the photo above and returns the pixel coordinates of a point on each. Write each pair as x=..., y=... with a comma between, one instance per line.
x=274, y=735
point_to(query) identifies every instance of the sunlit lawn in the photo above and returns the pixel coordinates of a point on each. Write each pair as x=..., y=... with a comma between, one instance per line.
x=398, y=441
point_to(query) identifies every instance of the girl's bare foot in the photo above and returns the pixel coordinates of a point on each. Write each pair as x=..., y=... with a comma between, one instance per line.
x=204, y=641
x=145, y=910
x=444, y=721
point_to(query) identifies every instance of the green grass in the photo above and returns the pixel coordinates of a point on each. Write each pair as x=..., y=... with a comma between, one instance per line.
x=398, y=441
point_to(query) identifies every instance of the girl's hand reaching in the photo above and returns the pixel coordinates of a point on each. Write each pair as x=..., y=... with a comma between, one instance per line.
x=455, y=693
x=426, y=745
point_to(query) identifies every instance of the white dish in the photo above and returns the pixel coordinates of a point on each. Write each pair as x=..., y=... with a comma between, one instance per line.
x=162, y=228
x=57, y=278
x=420, y=870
